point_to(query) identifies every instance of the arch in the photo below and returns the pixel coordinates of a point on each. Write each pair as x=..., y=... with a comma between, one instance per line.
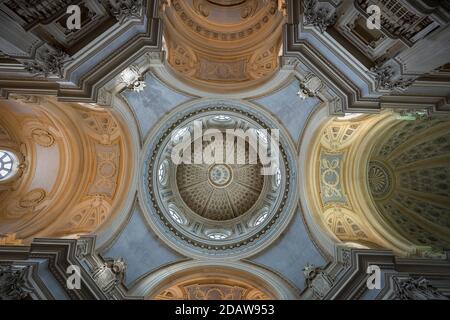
x=75, y=169
x=350, y=179
x=249, y=276
x=308, y=187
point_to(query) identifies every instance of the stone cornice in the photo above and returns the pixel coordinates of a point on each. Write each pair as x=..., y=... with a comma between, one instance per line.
x=86, y=88
x=98, y=280
x=358, y=98
x=350, y=272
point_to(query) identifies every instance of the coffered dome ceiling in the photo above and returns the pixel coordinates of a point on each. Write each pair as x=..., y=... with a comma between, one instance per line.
x=384, y=181
x=408, y=176
x=217, y=208
x=220, y=191
x=223, y=45
x=71, y=169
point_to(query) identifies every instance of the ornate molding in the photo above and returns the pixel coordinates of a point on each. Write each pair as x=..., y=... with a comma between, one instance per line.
x=109, y=274
x=386, y=80
x=318, y=280
x=318, y=15
x=124, y=10
x=415, y=289
x=128, y=40
x=48, y=63
x=101, y=279
x=13, y=283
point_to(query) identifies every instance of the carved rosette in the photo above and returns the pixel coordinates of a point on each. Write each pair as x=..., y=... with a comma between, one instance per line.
x=380, y=179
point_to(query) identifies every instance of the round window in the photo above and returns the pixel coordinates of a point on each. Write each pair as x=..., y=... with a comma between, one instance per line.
x=8, y=164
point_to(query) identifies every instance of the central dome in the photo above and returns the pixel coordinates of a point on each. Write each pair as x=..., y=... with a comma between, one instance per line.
x=202, y=202
x=220, y=191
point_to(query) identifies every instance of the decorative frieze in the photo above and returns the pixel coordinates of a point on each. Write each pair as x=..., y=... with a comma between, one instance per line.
x=9, y=239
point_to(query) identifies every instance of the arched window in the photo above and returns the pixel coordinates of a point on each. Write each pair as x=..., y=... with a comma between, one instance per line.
x=163, y=172
x=8, y=164
x=222, y=117
x=176, y=215
x=264, y=213
x=178, y=134
x=278, y=178
x=260, y=219
x=217, y=236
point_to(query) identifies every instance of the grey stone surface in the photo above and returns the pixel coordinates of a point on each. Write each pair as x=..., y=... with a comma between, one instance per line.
x=290, y=253
x=152, y=103
x=289, y=109
x=141, y=249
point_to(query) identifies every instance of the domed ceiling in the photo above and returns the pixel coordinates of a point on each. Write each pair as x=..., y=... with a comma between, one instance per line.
x=218, y=207
x=384, y=181
x=223, y=45
x=409, y=175
x=220, y=191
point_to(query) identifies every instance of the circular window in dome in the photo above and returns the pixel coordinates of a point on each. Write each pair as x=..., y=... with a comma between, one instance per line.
x=218, y=179
x=8, y=165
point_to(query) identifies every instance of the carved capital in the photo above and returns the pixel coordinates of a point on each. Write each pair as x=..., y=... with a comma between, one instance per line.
x=48, y=63
x=415, y=289
x=13, y=283
x=124, y=10
x=318, y=15
x=386, y=79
